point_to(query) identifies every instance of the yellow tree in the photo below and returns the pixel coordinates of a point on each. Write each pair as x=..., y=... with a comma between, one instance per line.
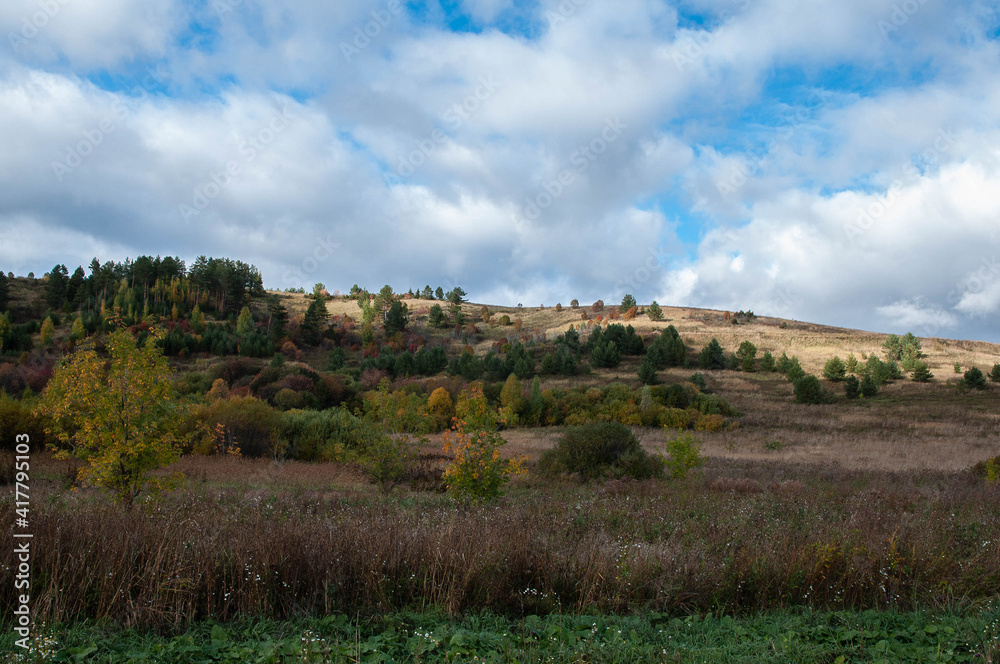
x=478, y=472
x=116, y=414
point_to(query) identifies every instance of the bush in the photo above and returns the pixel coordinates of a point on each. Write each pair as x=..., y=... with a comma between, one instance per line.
x=808, y=390
x=389, y=460
x=988, y=470
x=835, y=369
x=974, y=379
x=683, y=454
x=852, y=387
x=712, y=422
x=995, y=374
x=711, y=356
x=869, y=387
x=599, y=449
x=746, y=356
x=921, y=373
x=767, y=361
x=654, y=311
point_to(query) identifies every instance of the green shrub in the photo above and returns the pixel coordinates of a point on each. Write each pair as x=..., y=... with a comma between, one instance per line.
x=958, y=367
x=388, y=460
x=698, y=380
x=995, y=374
x=869, y=387
x=746, y=355
x=674, y=418
x=808, y=390
x=921, y=373
x=988, y=470
x=795, y=370
x=683, y=454
x=598, y=449
x=974, y=379
x=767, y=361
x=852, y=387
x=835, y=369
x=711, y=356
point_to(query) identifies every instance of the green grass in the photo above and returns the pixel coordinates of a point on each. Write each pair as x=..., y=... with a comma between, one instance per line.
x=786, y=636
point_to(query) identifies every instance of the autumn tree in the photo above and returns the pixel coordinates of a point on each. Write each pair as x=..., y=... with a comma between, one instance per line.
x=115, y=414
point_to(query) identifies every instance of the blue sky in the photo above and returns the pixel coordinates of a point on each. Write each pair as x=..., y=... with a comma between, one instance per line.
x=828, y=161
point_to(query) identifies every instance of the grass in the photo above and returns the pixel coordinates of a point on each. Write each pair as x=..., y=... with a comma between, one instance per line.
x=742, y=537
x=783, y=636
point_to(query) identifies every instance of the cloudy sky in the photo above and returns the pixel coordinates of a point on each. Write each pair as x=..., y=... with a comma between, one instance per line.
x=833, y=161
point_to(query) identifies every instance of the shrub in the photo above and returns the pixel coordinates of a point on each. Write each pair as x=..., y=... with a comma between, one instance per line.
x=598, y=306
x=988, y=470
x=795, y=370
x=958, y=367
x=713, y=422
x=921, y=373
x=869, y=387
x=599, y=449
x=674, y=418
x=654, y=311
x=477, y=473
x=389, y=460
x=974, y=379
x=711, y=356
x=767, y=361
x=994, y=374
x=852, y=387
x=683, y=454
x=835, y=369
x=574, y=303
x=698, y=380
x=808, y=390
x=746, y=356
x=852, y=364
x=250, y=422
x=441, y=407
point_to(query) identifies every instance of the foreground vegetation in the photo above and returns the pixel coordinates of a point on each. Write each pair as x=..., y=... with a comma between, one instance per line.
x=780, y=636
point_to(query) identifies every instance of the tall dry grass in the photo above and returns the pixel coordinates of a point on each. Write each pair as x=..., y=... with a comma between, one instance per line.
x=745, y=536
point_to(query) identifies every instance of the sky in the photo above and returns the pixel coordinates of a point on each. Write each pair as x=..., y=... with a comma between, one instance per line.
x=829, y=161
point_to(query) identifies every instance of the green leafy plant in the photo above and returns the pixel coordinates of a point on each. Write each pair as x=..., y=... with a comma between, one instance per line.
x=683, y=455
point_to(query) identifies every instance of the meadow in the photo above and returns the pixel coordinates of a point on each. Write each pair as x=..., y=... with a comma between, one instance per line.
x=852, y=530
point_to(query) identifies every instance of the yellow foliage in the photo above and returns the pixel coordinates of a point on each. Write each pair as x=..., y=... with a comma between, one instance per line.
x=120, y=418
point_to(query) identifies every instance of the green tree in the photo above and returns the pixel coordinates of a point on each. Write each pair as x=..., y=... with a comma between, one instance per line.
x=511, y=401
x=55, y=287
x=456, y=298
x=974, y=379
x=654, y=311
x=869, y=387
x=244, y=324
x=383, y=301
x=712, y=356
x=277, y=318
x=396, y=319
x=995, y=373
x=574, y=303
x=683, y=454
x=852, y=387
x=851, y=366
x=314, y=322
x=835, y=369
x=767, y=361
x=118, y=415
x=48, y=331
x=921, y=373
x=808, y=390
x=627, y=303
x=746, y=355
x=436, y=317
x=795, y=370
x=647, y=368
x=427, y=293
x=78, y=331
x=439, y=293
x=197, y=320
x=4, y=292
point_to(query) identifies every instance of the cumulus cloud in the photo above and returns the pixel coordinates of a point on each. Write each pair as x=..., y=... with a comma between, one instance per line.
x=798, y=160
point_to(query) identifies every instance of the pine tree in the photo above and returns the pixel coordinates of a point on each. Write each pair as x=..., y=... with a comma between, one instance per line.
x=314, y=322
x=712, y=356
x=654, y=311
x=628, y=302
x=921, y=373
x=647, y=369
x=834, y=369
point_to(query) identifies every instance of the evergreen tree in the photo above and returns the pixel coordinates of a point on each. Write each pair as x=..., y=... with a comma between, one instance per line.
x=852, y=387
x=654, y=312
x=439, y=293
x=995, y=373
x=55, y=289
x=314, y=322
x=4, y=292
x=277, y=318
x=647, y=369
x=746, y=354
x=974, y=379
x=921, y=373
x=712, y=356
x=767, y=361
x=427, y=293
x=436, y=317
x=396, y=318
x=628, y=302
x=834, y=369
x=869, y=387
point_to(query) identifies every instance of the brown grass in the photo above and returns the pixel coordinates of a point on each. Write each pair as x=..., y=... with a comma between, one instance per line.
x=744, y=536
